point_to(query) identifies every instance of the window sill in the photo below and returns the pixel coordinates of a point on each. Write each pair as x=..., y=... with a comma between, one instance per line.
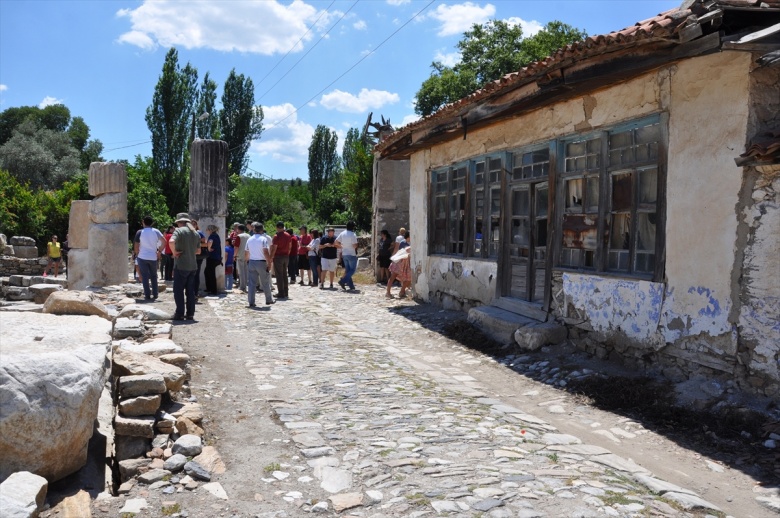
x=611, y=275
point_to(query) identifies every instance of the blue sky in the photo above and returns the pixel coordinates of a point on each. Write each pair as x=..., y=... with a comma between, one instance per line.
x=102, y=58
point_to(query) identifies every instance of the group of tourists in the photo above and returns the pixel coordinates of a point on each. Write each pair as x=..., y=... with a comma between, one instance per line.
x=251, y=256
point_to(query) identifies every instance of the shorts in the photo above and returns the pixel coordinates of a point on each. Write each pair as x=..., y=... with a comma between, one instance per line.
x=384, y=262
x=329, y=265
x=56, y=259
x=303, y=262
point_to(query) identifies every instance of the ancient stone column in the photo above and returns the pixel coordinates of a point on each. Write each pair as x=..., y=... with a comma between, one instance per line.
x=208, y=192
x=78, y=241
x=108, y=231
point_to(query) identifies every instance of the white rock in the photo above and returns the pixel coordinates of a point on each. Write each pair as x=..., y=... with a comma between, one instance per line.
x=51, y=378
x=373, y=497
x=75, y=303
x=157, y=347
x=22, y=495
x=215, y=488
x=133, y=506
x=335, y=479
x=147, y=312
x=770, y=443
x=188, y=445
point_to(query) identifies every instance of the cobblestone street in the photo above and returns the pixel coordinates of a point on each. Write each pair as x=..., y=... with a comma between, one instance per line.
x=350, y=403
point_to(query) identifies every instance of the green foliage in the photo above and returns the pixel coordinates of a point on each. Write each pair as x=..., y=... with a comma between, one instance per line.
x=55, y=117
x=240, y=120
x=38, y=213
x=358, y=178
x=170, y=120
x=42, y=157
x=488, y=52
x=208, y=127
x=266, y=201
x=323, y=160
x=332, y=205
x=144, y=198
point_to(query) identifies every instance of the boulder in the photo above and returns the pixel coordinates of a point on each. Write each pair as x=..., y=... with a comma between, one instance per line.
x=8, y=250
x=129, y=468
x=180, y=360
x=127, y=363
x=21, y=241
x=210, y=459
x=41, y=292
x=109, y=208
x=141, y=385
x=142, y=405
x=145, y=311
x=26, y=252
x=188, y=445
x=19, y=280
x=125, y=327
x=108, y=257
x=78, y=226
x=157, y=347
x=75, y=303
x=536, y=335
x=127, y=447
x=185, y=426
x=3, y=240
x=19, y=293
x=134, y=426
x=22, y=495
x=51, y=378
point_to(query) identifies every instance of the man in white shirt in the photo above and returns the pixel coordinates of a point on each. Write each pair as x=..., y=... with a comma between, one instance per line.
x=240, y=256
x=258, y=259
x=347, y=242
x=148, y=244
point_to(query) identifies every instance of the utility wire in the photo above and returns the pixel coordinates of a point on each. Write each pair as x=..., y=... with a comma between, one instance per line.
x=125, y=147
x=418, y=13
x=297, y=42
x=310, y=49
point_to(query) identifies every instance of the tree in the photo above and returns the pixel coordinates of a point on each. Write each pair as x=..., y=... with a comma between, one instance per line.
x=170, y=118
x=488, y=52
x=143, y=197
x=358, y=177
x=323, y=160
x=207, y=127
x=41, y=157
x=240, y=120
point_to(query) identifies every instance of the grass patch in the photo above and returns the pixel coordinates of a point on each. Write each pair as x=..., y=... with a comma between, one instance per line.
x=274, y=466
x=553, y=457
x=419, y=499
x=612, y=498
x=168, y=510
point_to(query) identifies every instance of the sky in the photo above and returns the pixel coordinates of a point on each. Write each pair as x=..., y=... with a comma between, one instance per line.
x=328, y=62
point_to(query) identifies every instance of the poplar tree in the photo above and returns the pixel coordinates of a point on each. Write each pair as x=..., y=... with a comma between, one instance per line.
x=240, y=120
x=207, y=120
x=170, y=119
x=323, y=160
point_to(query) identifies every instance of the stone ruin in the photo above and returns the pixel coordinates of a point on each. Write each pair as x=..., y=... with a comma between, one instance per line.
x=98, y=230
x=208, y=192
x=19, y=256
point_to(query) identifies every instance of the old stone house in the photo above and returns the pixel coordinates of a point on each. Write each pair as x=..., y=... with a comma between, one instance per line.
x=628, y=187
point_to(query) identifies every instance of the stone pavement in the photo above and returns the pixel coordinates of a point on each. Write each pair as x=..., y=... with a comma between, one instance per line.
x=386, y=422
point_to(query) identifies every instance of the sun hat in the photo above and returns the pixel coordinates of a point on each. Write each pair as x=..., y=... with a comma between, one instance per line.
x=183, y=217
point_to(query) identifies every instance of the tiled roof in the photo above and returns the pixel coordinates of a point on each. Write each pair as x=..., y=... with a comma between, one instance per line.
x=665, y=26
x=763, y=148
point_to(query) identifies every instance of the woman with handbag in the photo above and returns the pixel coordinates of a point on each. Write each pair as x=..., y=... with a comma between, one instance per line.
x=400, y=268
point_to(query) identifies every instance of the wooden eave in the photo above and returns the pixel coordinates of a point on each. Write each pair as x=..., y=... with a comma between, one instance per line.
x=568, y=79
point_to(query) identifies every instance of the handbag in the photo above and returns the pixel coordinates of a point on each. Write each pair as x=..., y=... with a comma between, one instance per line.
x=400, y=255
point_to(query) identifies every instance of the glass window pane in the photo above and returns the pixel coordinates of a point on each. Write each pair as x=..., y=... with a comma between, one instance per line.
x=495, y=201
x=645, y=231
x=592, y=194
x=621, y=192
x=520, y=231
x=620, y=236
x=541, y=234
x=541, y=201
x=648, y=186
x=574, y=194
x=575, y=149
x=520, y=205
x=648, y=134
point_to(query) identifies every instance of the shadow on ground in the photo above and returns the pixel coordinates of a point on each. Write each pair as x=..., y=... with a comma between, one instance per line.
x=730, y=434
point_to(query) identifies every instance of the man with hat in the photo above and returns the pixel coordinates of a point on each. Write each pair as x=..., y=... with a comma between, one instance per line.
x=185, y=245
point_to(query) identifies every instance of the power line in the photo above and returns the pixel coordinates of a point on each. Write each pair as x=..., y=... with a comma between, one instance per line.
x=124, y=147
x=297, y=42
x=310, y=49
x=418, y=13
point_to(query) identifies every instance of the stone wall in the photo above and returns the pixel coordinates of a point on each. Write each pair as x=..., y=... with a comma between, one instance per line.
x=390, y=200
x=10, y=265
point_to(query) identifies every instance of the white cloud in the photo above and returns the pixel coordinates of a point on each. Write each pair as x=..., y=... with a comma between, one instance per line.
x=3, y=88
x=448, y=60
x=266, y=27
x=364, y=101
x=48, y=101
x=458, y=18
x=359, y=25
x=289, y=140
x=398, y=2
x=530, y=28
x=410, y=119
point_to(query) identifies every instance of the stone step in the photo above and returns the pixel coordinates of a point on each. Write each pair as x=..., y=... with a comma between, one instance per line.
x=498, y=323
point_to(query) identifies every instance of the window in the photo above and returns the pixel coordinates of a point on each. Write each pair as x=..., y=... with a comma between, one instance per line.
x=448, y=222
x=609, y=189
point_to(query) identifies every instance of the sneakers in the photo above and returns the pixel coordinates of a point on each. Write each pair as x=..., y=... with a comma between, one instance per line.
x=322, y=286
x=301, y=283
